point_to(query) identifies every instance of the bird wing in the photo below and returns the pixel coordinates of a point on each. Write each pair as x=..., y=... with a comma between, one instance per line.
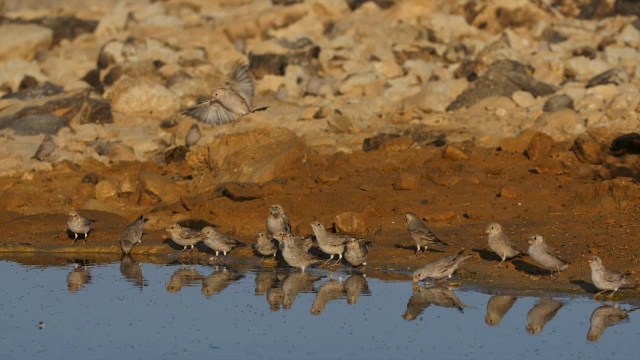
x=612, y=276
x=287, y=223
x=424, y=233
x=548, y=250
x=211, y=113
x=242, y=83
x=87, y=222
x=187, y=233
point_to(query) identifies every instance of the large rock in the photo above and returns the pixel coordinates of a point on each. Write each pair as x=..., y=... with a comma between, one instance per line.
x=154, y=189
x=143, y=98
x=23, y=41
x=257, y=156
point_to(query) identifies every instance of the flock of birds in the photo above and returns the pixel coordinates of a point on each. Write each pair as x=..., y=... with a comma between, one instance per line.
x=295, y=249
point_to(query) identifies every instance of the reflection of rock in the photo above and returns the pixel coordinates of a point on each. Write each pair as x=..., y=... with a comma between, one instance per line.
x=294, y=283
x=218, y=281
x=355, y=285
x=131, y=270
x=423, y=297
x=328, y=291
x=183, y=277
x=78, y=278
x=603, y=317
x=541, y=313
x=497, y=307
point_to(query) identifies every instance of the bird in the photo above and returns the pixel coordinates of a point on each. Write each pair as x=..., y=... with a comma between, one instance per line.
x=607, y=280
x=440, y=268
x=184, y=236
x=497, y=307
x=330, y=243
x=295, y=256
x=541, y=313
x=46, y=148
x=265, y=246
x=499, y=243
x=132, y=235
x=357, y=251
x=605, y=316
x=79, y=225
x=193, y=135
x=421, y=233
x=230, y=102
x=543, y=255
x=305, y=243
x=277, y=221
x=219, y=242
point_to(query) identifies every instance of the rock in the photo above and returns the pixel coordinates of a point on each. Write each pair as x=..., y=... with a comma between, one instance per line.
x=588, y=150
x=154, y=189
x=34, y=124
x=407, y=181
x=92, y=178
x=439, y=178
x=176, y=154
x=126, y=187
x=435, y=95
x=561, y=125
x=453, y=153
x=614, y=76
x=350, y=223
x=539, y=147
x=503, y=78
x=512, y=191
x=257, y=156
x=374, y=143
x=143, y=98
x=23, y=41
x=523, y=99
x=34, y=92
x=105, y=189
x=115, y=21
x=397, y=144
x=383, y=4
x=240, y=191
x=197, y=157
x=626, y=144
x=557, y=102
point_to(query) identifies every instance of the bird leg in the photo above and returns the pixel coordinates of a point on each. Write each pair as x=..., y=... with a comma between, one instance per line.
x=191, y=249
x=185, y=248
x=503, y=259
x=596, y=295
x=325, y=263
x=86, y=235
x=611, y=295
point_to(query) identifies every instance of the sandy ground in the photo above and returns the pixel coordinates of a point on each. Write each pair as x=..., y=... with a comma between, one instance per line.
x=576, y=209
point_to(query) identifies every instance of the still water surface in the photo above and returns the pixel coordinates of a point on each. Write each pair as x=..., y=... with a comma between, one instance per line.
x=140, y=310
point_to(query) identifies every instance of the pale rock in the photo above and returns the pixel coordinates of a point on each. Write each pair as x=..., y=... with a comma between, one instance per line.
x=589, y=103
x=269, y=84
x=198, y=158
x=359, y=84
x=453, y=153
x=257, y=156
x=561, y=125
x=629, y=36
x=436, y=95
x=114, y=21
x=105, y=189
x=539, y=147
x=588, y=150
x=423, y=70
x=126, y=187
x=607, y=92
x=523, y=99
x=154, y=189
x=23, y=41
x=617, y=56
x=406, y=181
x=548, y=67
x=512, y=191
x=388, y=68
x=143, y=98
x=584, y=69
x=13, y=71
x=349, y=222
x=625, y=100
x=450, y=28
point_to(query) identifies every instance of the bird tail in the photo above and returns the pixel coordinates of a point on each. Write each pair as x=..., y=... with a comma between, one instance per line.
x=437, y=240
x=241, y=244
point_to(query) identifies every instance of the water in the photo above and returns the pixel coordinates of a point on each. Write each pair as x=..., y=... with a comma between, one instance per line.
x=178, y=311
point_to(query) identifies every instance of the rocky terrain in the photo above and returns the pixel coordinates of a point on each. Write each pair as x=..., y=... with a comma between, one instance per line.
x=463, y=112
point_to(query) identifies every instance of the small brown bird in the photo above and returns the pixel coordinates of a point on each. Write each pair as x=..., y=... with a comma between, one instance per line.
x=607, y=280
x=46, y=148
x=265, y=246
x=330, y=243
x=357, y=251
x=230, y=102
x=304, y=243
x=79, y=225
x=193, y=135
x=295, y=256
x=184, y=236
x=132, y=235
x=500, y=244
x=440, y=268
x=219, y=242
x=278, y=221
x=422, y=235
x=543, y=255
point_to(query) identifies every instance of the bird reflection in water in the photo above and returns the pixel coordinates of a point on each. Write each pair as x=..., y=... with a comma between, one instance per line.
x=131, y=271
x=78, y=278
x=437, y=295
x=605, y=316
x=541, y=313
x=497, y=307
x=219, y=280
x=356, y=285
x=185, y=276
x=328, y=291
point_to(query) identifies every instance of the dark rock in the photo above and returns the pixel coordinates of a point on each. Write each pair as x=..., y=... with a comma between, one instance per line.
x=626, y=144
x=588, y=11
x=382, y=4
x=34, y=124
x=502, y=78
x=113, y=75
x=237, y=191
x=588, y=150
x=93, y=78
x=27, y=82
x=552, y=37
x=263, y=64
x=613, y=76
x=627, y=7
x=176, y=154
x=586, y=51
x=557, y=102
x=427, y=53
x=63, y=27
x=34, y=92
x=374, y=143
x=286, y=2
x=466, y=70
x=92, y=178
